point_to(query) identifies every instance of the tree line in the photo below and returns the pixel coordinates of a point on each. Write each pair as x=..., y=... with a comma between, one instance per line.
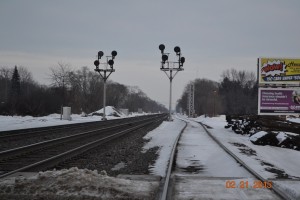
x=235, y=94
x=81, y=89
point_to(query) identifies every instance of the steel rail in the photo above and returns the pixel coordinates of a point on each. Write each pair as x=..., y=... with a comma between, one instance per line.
x=251, y=171
x=42, y=130
x=78, y=150
x=165, y=182
x=28, y=148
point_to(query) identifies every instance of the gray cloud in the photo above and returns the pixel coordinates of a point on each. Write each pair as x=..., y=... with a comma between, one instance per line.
x=213, y=36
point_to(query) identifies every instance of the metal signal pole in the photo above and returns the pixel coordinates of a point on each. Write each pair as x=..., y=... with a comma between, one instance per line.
x=170, y=67
x=103, y=73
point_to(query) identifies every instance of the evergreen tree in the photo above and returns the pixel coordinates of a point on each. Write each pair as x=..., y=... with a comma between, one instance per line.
x=15, y=91
x=15, y=83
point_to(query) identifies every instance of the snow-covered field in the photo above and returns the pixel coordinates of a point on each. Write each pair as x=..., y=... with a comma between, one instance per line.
x=19, y=122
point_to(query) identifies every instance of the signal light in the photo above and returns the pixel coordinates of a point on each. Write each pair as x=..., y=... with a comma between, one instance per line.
x=177, y=49
x=182, y=60
x=96, y=63
x=111, y=63
x=114, y=54
x=100, y=54
x=164, y=58
x=162, y=48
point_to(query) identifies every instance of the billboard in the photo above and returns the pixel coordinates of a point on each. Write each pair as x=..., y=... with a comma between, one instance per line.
x=278, y=101
x=278, y=71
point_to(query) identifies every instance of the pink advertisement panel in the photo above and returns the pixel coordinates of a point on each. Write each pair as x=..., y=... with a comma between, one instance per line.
x=278, y=101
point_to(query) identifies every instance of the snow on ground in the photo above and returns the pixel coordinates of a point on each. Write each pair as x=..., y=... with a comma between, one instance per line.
x=257, y=135
x=268, y=161
x=19, y=122
x=163, y=137
x=198, y=153
x=296, y=120
x=211, y=188
x=76, y=183
x=109, y=111
x=287, y=160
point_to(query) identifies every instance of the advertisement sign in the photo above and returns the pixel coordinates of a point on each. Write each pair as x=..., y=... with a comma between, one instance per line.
x=278, y=101
x=278, y=71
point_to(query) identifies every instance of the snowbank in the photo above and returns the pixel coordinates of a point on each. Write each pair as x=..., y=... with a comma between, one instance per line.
x=109, y=111
x=19, y=122
x=76, y=183
x=296, y=120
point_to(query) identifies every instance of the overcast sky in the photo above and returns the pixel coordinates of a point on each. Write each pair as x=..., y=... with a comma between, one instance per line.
x=214, y=35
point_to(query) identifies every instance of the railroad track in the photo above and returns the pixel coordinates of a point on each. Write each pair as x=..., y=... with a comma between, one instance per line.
x=174, y=173
x=47, y=153
x=22, y=137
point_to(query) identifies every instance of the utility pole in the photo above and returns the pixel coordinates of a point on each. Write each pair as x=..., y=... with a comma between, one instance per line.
x=214, y=93
x=191, y=95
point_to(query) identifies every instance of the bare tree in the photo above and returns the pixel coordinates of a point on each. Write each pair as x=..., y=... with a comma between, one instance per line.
x=25, y=75
x=5, y=75
x=60, y=75
x=239, y=92
x=206, y=97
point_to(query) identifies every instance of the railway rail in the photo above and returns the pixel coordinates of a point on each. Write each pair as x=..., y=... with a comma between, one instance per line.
x=22, y=137
x=47, y=153
x=166, y=190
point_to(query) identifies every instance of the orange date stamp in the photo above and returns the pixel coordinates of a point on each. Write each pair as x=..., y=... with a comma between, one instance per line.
x=247, y=184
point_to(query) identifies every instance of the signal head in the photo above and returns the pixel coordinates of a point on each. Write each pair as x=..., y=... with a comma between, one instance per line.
x=177, y=49
x=100, y=54
x=164, y=58
x=114, y=54
x=182, y=60
x=162, y=48
x=96, y=63
x=111, y=63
